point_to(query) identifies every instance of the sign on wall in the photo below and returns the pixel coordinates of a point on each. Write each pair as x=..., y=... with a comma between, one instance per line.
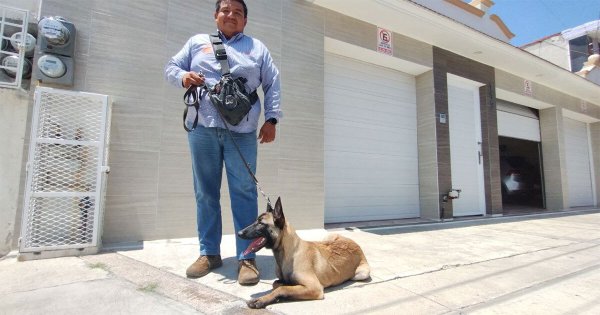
x=384, y=41
x=527, y=88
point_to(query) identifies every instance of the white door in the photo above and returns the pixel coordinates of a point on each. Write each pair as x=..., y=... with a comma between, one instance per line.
x=579, y=171
x=371, y=160
x=465, y=146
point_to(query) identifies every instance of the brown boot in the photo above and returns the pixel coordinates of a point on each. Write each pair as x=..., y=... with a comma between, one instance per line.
x=203, y=265
x=247, y=272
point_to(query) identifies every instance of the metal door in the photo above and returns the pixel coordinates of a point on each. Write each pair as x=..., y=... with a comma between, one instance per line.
x=65, y=171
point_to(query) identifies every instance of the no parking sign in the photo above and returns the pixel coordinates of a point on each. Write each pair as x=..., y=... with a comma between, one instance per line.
x=384, y=41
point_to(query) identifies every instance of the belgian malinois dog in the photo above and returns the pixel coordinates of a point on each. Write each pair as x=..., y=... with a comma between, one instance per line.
x=304, y=268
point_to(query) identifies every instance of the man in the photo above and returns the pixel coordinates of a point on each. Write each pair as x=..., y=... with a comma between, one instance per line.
x=210, y=144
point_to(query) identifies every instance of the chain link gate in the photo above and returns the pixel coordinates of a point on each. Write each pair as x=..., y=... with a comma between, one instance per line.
x=66, y=173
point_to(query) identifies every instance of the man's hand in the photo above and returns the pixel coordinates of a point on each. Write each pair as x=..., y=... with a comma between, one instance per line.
x=267, y=133
x=192, y=78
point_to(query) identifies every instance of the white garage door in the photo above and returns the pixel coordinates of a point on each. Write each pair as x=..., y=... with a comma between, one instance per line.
x=371, y=166
x=579, y=171
x=516, y=121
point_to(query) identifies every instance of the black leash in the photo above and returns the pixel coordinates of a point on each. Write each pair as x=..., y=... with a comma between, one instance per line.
x=192, y=97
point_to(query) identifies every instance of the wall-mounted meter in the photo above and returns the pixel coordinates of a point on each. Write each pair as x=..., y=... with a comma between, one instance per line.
x=55, y=69
x=28, y=43
x=57, y=46
x=51, y=66
x=11, y=63
x=57, y=36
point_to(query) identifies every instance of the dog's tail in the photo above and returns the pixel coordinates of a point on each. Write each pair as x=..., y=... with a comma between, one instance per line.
x=363, y=271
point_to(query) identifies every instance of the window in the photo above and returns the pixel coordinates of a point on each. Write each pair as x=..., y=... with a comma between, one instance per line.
x=16, y=47
x=579, y=51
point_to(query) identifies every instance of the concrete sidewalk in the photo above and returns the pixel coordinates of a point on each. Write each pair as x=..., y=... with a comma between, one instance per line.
x=513, y=265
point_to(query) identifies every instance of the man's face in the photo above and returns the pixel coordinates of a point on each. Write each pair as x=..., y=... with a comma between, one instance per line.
x=230, y=18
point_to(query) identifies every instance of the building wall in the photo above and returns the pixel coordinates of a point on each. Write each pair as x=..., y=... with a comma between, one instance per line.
x=480, y=21
x=150, y=192
x=555, y=178
x=13, y=119
x=544, y=96
x=447, y=62
x=554, y=49
x=429, y=191
x=550, y=103
x=14, y=108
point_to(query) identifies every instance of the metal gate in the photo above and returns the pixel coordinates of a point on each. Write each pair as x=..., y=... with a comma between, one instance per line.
x=66, y=171
x=15, y=20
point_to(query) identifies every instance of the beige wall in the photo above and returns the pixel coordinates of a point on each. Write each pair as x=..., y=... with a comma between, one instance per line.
x=14, y=108
x=427, y=140
x=150, y=192
x=555, y=178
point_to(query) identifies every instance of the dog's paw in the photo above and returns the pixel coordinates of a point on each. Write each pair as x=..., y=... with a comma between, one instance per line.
x=256, y=303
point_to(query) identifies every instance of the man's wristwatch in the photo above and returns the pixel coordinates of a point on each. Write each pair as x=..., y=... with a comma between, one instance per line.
x=273, y=121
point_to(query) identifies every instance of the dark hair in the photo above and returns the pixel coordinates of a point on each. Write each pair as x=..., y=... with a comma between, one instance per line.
x=218, y=6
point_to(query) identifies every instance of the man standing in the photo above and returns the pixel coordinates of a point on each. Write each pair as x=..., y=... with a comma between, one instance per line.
x=210, y=144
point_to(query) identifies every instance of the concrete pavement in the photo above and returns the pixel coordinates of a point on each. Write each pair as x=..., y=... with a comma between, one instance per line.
x=512, y=265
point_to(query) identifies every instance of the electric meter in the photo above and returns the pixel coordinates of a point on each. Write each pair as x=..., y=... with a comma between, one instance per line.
x=17, y=38
x=51, y=66
x=12, y=62
x=54, y=30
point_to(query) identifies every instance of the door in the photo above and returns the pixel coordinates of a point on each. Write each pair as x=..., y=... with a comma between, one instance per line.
x=579, y=170
x=465, y=146
x=371, y=159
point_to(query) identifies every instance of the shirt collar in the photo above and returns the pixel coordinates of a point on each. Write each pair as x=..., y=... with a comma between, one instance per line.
x=232, y=39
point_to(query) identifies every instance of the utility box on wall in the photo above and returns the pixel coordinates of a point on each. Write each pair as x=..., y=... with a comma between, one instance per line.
x=57, y=47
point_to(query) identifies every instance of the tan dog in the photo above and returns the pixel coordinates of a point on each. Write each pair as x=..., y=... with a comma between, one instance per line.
x=304, y=268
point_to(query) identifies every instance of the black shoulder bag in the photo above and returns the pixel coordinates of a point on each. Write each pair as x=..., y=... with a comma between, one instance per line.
x=229, y=96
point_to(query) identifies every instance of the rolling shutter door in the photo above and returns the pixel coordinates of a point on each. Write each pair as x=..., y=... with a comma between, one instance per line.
x=578, y=163
x=371, y=159
x=516, y=121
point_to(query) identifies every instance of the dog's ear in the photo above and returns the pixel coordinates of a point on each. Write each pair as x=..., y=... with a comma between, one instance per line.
x=269, y=208
x=278, y=216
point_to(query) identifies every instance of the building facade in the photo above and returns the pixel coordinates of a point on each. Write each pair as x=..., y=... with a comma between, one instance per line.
x=570, y=49
x=391, y=110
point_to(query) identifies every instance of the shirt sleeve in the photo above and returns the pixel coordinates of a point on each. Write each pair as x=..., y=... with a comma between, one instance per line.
x=271, y=86
x=179, y=65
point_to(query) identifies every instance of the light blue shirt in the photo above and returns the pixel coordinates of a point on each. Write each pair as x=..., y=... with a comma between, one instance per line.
x=248, y=58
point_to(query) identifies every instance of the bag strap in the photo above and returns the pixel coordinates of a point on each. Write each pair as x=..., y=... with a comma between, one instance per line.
x=220, y=53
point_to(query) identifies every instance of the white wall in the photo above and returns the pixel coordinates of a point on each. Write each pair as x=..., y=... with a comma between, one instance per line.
x=14, y=106
x=554, y=49
x=482, y=24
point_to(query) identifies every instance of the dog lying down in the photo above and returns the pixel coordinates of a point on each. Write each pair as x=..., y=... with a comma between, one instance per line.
x=304, y=268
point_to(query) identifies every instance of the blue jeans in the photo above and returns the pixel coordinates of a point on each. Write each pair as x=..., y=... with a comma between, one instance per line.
x=210, y=147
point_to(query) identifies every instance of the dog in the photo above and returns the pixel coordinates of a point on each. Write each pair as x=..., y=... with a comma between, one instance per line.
x=304, y=268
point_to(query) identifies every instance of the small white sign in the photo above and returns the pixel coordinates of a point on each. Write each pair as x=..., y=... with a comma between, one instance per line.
x=384, y=41
x=527, y=88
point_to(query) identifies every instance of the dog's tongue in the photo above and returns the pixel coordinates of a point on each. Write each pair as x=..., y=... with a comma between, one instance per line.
x=256, y=245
